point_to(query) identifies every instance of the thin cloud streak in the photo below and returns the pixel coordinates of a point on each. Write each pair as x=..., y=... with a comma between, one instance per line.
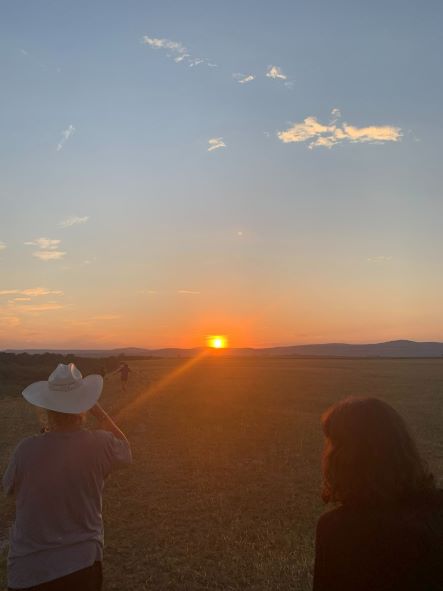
x=66, y=134
x=49, y=255
x=33, y=292
x=2, y=245
x=73, y=221
x=379, y=259
x=243, y=78
x=177, y=51
x=44, y=243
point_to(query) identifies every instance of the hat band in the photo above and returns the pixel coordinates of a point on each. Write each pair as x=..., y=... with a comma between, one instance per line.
x=65, y=387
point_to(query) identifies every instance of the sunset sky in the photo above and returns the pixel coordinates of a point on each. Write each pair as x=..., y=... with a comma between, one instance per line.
x=269, y=171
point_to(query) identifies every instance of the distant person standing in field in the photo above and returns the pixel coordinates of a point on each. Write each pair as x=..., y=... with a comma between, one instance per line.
x=124, y=372
x=57, y=478
x=387, y=532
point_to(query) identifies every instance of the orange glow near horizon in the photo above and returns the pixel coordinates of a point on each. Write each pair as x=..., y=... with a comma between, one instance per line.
x=216, y=342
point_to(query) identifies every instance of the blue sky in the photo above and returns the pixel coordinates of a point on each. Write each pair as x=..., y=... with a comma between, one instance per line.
x=317, y=220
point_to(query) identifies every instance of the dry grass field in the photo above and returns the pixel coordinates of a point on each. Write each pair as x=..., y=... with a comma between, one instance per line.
x=224, y=490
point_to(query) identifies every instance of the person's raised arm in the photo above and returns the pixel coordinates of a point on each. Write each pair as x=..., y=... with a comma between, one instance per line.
x=106, y=422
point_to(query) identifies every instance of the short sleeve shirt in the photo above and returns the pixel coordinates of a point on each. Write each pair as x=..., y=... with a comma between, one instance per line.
x=57, y=479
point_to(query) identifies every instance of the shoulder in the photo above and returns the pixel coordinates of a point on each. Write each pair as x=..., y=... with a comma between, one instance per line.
x=331, y=519
x=112, y=445
x=28, y=443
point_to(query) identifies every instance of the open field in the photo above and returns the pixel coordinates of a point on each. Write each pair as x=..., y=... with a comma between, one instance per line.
x=224, y=490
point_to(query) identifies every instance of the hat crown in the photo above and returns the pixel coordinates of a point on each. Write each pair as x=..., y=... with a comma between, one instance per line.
x=65, y=375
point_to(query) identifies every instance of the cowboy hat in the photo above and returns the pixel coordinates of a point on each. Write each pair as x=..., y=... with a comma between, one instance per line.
x=65, y=391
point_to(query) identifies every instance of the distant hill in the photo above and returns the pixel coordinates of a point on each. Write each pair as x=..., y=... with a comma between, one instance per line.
x=401, y=348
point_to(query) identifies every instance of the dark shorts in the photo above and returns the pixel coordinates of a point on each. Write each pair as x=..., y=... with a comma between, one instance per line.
x=86, y=579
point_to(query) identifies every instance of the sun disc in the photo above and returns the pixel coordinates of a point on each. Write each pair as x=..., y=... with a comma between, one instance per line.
x=217, y=341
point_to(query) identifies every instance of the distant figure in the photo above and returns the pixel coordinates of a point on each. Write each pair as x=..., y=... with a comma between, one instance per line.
x=57, y=477
x=124, y=371
x=387, y=532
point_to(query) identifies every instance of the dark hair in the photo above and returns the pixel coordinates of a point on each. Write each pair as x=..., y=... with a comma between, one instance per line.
x=369, y=456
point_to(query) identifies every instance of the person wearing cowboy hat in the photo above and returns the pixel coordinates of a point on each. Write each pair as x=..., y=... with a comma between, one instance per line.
x=57, y=477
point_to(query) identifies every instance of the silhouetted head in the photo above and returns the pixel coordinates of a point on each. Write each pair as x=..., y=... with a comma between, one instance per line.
x=61, y=421
x=369, y=455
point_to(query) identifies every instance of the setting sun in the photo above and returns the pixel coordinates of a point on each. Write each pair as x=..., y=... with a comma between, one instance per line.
x=217, y=341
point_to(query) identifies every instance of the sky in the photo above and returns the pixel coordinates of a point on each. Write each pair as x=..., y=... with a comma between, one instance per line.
x=269, y=171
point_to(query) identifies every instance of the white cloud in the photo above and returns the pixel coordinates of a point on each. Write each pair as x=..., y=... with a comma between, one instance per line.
x=215, y=143
x=44, y=243
x=2, y=245
x=243, y=78
x=276, y=73
x=73, y=220
x=177, y=51
x=49, y=255
x=328, y=135
x=188, y=292
x=66, y=134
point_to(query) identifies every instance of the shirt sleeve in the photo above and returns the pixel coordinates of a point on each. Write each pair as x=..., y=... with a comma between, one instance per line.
x=116, y=453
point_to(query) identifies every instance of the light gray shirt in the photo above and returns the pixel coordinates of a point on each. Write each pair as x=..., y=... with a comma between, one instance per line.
x=57, y=479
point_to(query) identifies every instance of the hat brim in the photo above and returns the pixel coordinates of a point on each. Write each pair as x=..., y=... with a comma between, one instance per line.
x=73, y=401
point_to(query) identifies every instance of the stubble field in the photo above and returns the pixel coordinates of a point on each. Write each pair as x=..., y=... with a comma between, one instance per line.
x=224, y=490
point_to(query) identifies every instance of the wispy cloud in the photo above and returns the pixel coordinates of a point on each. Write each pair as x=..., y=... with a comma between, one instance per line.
x=49, y=255
x=176, y=51
x=379, y=259
x=44, y=243
x=48, y=249
x=188, y=292
x=2, y=245
x=335, y=115
x=276, y=73
x=215, y=143
x=47, y=307
x=243, y=78
x=73, y=221
x=66, y=134
x=32, y=292
x=330, y=134
x=105, y=317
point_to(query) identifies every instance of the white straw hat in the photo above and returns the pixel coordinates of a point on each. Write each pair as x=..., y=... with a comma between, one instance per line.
x=65, y=391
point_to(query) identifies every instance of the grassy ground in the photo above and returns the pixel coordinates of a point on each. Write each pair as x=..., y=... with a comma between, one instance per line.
x=224, y=489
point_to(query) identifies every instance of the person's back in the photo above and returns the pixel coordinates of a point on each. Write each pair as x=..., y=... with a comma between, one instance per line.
x=397, y=548
x=57, y=478
x=386, y=532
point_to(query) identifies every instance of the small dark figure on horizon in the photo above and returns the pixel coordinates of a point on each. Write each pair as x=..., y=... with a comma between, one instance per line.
x=386, y=534
x=124, y=370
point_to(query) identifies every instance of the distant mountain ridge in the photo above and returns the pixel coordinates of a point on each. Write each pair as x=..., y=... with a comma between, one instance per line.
x=399, y=348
